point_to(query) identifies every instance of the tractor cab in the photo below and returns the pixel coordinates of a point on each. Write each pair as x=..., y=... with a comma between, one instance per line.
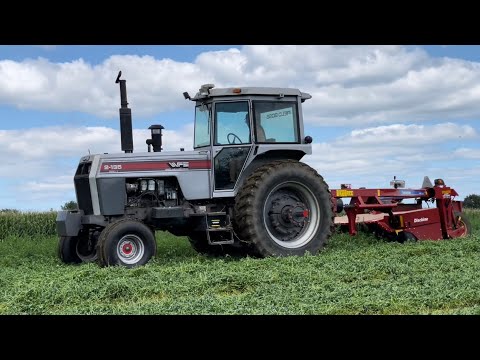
x=234, y=123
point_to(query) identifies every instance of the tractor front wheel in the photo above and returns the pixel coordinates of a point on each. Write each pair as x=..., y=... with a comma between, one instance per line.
x=67, y=249
x=126, y=243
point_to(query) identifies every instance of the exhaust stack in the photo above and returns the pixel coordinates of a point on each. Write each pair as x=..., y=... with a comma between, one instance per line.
x=125, y=117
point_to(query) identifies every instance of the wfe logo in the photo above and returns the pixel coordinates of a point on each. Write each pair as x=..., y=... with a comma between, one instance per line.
x=179, y=164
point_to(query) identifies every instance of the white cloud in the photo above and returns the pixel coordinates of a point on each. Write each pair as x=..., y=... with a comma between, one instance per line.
x=467, y=153
x=47, y=47
x=52, y=143
x=48, y=187
x=351, y=85
x=400, y=134
x=371, y=157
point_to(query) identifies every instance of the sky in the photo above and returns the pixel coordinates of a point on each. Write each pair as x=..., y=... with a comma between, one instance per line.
x=376, y=111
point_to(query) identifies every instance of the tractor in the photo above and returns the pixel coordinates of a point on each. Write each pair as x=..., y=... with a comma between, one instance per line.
x=242, y=190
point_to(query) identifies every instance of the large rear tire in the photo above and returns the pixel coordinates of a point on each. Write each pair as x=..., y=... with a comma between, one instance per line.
x=284, y=208
x=126, y=242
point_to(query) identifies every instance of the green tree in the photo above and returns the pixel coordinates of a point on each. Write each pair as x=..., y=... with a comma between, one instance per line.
x=70, y=205
x=472, y=201
x=12, y=211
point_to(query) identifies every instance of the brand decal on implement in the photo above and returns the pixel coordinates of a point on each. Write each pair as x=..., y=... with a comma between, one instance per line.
x=423, y=219
x=412, y=192
x=344, y=193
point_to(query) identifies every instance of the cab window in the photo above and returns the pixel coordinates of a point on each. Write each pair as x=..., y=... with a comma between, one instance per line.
x=276, y=122
x=202, y=126
x=232, y=124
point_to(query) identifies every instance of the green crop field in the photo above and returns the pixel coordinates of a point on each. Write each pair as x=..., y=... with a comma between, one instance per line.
x=360, y=275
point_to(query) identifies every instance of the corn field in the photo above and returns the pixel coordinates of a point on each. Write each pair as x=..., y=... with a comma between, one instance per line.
x=27, y=224
x=39, y=224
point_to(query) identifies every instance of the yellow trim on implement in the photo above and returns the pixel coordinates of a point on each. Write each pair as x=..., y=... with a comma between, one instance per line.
x=344, y=193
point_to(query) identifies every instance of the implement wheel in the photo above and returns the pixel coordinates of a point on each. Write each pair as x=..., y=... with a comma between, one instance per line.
x=463, y=222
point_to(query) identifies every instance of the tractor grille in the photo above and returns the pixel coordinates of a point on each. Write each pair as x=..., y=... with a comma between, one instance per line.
x=82, y=188
x=83, y=168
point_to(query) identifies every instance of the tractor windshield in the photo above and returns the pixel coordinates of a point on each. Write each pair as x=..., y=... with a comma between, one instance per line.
x=202, y=126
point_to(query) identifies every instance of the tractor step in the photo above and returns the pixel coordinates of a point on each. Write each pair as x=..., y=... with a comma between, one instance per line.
x=219, y=228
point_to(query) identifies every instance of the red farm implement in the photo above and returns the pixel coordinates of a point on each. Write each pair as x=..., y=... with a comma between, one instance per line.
x=385, y=214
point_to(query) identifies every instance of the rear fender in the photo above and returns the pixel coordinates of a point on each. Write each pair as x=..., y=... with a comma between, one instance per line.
x=265, y=158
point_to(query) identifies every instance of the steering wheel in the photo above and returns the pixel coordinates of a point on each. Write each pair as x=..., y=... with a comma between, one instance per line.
x=234, y=137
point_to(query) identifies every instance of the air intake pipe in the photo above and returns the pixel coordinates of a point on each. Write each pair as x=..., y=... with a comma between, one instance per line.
x=156, y=139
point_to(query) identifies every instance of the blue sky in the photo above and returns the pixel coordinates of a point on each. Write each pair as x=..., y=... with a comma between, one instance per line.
x=376, y=111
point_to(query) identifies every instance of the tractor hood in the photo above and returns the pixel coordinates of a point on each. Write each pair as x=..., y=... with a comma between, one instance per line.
x=141, y=164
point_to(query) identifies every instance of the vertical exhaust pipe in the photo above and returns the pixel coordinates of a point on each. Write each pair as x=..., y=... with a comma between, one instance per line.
x=125, y=117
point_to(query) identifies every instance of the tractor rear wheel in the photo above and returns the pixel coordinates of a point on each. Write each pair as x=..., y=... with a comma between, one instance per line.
x=67, y=250
x=284, y=208
x=126, y=242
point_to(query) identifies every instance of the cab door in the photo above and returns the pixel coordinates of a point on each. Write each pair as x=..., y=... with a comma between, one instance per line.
x=231, y=144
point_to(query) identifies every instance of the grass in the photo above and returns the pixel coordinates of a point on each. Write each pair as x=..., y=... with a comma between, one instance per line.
x=360, y=275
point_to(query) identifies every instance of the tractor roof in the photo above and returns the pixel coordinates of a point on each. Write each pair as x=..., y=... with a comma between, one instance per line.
x=208, y=91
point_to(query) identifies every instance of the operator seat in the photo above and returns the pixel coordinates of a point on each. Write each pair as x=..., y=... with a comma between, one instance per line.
x=260, y=133
x=261, y=137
